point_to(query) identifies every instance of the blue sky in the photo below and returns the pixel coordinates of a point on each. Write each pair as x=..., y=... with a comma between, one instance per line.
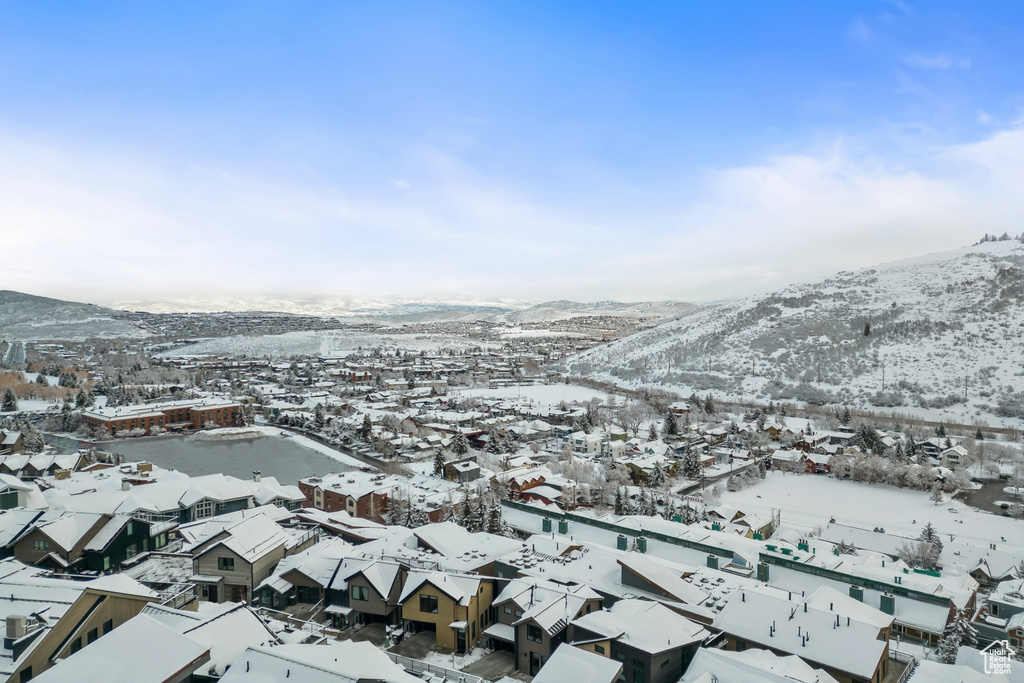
x=690, y=151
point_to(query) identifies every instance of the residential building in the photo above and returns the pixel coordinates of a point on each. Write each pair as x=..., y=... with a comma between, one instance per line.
x=231, y=563
x=829, y=630
x=455, y=606
x=653, y=643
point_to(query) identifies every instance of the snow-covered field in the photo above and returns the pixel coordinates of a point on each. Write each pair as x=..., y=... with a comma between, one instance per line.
x=808, y=501
x=541, y=394
x=323, y=343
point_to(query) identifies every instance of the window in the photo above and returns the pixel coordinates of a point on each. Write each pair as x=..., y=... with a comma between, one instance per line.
x=93, y=635
x=472, y=630
x=428, y=604
x=131, y=551
x=361, y=593
x=599, y=649
x=41, y=546
x=508, y=610
x=204, y=509
x=534, y=633
x=108, y=626
x=519, y=613
x=25, y=675
x=106, y=562
x=205, y=590
x=76, y=645
x=226, y=564
x=128, y=529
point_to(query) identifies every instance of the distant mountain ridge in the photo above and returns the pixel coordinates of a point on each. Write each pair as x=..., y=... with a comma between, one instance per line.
x=25, y=317
x=924, y=326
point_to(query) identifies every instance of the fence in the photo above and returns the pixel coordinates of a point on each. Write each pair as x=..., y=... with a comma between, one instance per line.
x=178, y=595
x=904, y=658
x=415, y=666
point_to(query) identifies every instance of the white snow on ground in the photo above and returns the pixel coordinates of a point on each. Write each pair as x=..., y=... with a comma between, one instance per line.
x=323, y=343
x=541, y=394
x=807, y=501
x=230, y=434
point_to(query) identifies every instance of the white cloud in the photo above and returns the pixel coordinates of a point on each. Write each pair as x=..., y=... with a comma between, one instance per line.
x=859, y=31
x=106, y=226
x=940, y=61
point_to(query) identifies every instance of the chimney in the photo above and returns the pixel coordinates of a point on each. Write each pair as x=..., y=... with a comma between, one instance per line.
x=125, y=484
x=257, y=476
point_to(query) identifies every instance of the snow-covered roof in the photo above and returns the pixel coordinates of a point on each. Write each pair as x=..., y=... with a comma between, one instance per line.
x=844, y=638
x=648, y=626
x=225, y=629
x=459, y=587
x=764, y=666
x=142, y=650
x=570, y=663
x=333, y=662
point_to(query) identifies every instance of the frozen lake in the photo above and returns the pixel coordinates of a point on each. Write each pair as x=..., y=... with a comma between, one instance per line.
x=274, y=456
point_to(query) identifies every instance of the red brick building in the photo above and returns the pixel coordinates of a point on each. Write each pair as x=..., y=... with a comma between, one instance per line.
x=169, y=415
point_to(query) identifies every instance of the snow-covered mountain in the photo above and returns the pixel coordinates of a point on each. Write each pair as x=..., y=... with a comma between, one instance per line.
x=323, y=305
x=926, y=327
x=26, y=317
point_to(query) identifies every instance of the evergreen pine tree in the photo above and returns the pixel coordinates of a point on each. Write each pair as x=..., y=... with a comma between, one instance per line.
x=958, y=632
x=978, y=435
x=478, y=516
x=671, y=428
x=10, y=401
x=41, y=379
x=653, y=433
x=930, y=535
x=465, y=513
x=691, y=465
x=620, y=502
x=494, y=442
x=845, y=417
x=658, y=476
x=460, y=445
x=367, y=429
x=642, y=501
x=439, y=464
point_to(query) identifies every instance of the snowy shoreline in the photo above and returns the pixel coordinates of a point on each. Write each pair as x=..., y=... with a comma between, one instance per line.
x=312, y=445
